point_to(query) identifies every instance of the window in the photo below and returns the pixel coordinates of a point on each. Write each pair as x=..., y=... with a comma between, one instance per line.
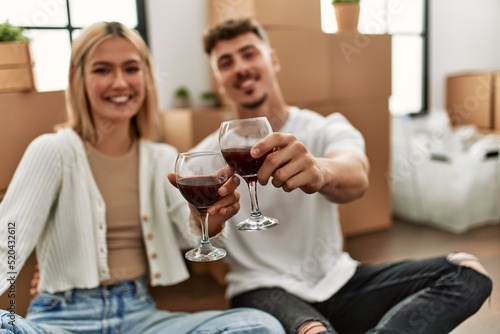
x=52, y=24
x=406, y=21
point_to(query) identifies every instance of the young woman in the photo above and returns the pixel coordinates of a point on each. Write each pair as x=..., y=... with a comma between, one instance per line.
x=95, y=201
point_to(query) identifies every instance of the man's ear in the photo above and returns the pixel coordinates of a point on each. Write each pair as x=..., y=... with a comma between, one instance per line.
x=221, y=89
x=217, y=82
x=275, y=60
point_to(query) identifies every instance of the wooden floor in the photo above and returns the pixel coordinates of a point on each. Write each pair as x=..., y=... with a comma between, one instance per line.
x=402, y=241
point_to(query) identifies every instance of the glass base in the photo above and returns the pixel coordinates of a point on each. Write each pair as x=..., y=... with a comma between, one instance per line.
x=205, y=255
x=263, y=223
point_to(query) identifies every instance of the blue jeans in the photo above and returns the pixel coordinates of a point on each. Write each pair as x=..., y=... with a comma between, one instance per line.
x=428, y=296
x=127, y=308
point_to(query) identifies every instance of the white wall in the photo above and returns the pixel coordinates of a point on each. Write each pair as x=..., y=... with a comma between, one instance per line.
x=463, y=37
x=175, y=28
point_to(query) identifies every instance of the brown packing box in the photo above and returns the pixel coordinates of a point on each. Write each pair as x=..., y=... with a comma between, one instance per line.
x=360, y=65
x=16, y=73
x=371, y=117
x=470, y=99
x=332, y=66
x=24, y=116
x=302, y=14
x=221, y=10
x=304, y=75
x=184, y=128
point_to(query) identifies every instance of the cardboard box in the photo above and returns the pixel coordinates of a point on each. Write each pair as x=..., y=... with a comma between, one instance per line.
x=221, y=10
x=301, y=14
x=304, y=75
x=474, y=99
x=16, y=72
x=371, y=117
x=23, y=117
x=360, y=65
x=332, y=66
x=184, y=128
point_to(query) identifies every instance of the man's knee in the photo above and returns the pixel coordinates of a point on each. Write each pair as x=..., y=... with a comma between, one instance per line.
x=467, y=260
x=477, y=281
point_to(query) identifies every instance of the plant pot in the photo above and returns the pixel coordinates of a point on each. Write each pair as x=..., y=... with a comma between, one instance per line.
x=16, y=72
x=181, y=102
x=347, y=15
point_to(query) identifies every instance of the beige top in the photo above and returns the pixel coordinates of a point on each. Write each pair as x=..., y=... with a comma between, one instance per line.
x=117, y=180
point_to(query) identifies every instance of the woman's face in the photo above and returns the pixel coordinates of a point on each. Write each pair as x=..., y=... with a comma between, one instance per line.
x=114, y=81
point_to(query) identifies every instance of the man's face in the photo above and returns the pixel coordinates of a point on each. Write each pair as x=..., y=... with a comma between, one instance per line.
x=245, y=68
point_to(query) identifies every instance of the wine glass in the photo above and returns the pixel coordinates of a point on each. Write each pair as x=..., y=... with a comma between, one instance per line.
x=199, y=176
x=236, y=138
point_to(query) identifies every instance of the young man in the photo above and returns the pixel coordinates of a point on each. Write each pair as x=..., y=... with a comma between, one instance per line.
x=297, y=271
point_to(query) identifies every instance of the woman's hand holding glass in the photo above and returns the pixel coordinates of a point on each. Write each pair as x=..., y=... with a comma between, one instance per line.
x=208, y=184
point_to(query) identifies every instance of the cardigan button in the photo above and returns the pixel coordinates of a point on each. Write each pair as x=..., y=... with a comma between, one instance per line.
x=153, y=255
x=145, y=218
x=149, y=236
x=157, y=274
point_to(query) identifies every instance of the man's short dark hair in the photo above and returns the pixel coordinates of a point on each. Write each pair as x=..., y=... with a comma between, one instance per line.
x=230, y=29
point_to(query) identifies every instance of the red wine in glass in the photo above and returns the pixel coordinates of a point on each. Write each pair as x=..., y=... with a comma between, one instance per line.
x=199, y=176
x=239, y=159
x=201, y=191
x=236, y=138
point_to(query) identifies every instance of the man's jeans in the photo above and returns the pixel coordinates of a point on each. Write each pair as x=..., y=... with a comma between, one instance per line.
x=127, y=308
x=429, y=296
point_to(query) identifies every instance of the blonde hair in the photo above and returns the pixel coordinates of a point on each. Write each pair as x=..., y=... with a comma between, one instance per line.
x=145, y=122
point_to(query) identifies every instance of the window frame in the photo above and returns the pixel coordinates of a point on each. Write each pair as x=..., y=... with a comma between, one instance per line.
x=141, y=22
x=425, y=62
x=424, y=35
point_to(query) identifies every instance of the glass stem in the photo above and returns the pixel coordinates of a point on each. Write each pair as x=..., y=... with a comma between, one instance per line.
x=252, y=188
x=205, y=239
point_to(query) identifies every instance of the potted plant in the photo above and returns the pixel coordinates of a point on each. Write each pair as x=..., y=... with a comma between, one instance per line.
x=16, y=71
x=347, y=15
x=209, y=99
x=182, y=98
x=9, y=33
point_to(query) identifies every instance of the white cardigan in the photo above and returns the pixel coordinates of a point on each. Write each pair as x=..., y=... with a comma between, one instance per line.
x=54, y=203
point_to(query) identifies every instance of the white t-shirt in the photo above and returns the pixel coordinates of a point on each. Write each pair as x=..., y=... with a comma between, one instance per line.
x=303, y=254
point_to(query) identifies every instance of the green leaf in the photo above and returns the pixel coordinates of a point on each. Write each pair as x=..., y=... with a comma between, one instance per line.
x=9, y=33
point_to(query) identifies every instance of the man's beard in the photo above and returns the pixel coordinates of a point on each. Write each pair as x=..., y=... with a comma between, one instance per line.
x=255, y=104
